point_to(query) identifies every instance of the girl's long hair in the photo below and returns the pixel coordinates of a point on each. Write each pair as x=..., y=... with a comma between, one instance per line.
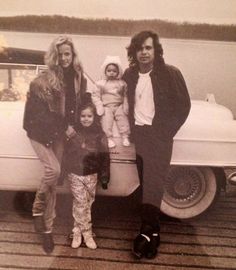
x=136, y=44
x=55, y=71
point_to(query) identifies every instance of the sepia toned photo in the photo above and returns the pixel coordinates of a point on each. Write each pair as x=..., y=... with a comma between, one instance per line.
x=118, y=134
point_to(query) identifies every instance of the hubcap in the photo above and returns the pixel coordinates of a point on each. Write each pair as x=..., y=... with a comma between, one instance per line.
x=184, y=186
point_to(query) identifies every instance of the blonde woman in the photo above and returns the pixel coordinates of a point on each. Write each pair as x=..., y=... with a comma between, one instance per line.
x=50, y=115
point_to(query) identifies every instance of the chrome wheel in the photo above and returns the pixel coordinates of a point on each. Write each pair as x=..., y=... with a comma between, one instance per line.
x=189, y=191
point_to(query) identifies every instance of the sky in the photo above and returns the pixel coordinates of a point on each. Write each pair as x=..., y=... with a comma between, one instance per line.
x=193, y=11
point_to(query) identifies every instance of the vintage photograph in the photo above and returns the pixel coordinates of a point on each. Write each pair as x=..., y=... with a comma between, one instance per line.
x=118, y=134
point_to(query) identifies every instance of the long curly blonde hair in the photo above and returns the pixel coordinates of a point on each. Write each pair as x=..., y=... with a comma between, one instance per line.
x=55, y=71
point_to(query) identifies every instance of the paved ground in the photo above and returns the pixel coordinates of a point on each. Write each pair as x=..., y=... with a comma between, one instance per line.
x=208, y=242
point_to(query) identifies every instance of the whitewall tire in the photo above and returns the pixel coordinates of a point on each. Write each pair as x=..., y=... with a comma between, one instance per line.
x=189, y=191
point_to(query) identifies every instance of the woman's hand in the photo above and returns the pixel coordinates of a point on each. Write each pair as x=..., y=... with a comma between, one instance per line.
x=70, y=132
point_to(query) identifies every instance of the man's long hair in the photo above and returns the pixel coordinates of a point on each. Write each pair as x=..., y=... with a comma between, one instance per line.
x=55, y=71
x=136, y=44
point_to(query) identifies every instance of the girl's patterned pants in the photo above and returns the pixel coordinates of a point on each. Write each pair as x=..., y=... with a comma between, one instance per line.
x=83, y=189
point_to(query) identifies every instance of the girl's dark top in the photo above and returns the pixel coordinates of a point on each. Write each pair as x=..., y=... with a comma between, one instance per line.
x=87, y=153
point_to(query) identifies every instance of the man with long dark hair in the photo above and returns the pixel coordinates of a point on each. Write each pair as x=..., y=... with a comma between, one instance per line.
x=159, y=104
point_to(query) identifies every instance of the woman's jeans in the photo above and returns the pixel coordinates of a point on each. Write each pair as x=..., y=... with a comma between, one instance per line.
x=45, y=198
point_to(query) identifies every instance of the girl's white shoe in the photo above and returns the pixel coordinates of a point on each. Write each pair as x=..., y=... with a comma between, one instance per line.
x=77, y=240
x=89, y=241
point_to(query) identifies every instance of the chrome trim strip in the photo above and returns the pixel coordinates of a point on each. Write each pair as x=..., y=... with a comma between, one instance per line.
x=18, y=157
x=133, y=161
x=126, y=161
x=204, y=140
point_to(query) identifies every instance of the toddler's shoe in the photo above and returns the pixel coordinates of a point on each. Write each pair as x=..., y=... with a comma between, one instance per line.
x=77, y=240
x=126, y=142
x=111, y=143
x=89, y=241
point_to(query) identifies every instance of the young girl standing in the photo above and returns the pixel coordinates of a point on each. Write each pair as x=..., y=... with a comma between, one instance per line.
x=87, y=160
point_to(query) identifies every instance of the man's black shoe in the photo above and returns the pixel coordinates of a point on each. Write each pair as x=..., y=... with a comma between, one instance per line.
x=140, y=245
x=39, y=224
x=152, y=247
x=48, y=243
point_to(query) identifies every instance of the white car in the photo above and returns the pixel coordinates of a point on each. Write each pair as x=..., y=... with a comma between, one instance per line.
x=203, y=148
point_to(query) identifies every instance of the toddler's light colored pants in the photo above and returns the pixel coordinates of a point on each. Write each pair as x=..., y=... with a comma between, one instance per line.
x=113, y=113
x=83, y=189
